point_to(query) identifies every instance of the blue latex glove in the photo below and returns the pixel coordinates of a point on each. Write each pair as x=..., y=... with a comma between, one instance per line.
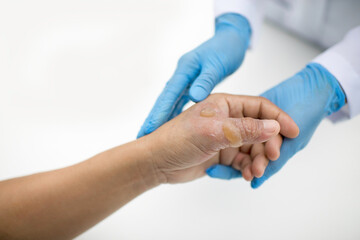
x=308, y=97
x=201, y=69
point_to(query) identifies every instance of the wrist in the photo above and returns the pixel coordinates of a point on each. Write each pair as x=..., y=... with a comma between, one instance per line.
x=336, y=97
x=149, y=171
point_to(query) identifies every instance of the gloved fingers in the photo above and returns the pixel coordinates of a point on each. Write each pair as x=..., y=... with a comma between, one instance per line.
x=272, y=147
x=204, y=83
x=259, y=160
x=242, y=162
x=179, y=106
x=143, y=128
x=187, y=70
x=223, y=172
x=163, y=107
x=287, y=151
x=262, y=108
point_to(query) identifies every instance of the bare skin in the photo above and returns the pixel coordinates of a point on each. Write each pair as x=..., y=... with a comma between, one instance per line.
x=250, y=159
x=62, y=204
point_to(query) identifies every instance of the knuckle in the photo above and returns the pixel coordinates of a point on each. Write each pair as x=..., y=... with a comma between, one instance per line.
x=183, y=59
x=250, y=129
x=187, y=57
x=208, y=131
x=209, y=135
x=264, y=99
x=206, y=83
x=210, y=77
x=217, y=95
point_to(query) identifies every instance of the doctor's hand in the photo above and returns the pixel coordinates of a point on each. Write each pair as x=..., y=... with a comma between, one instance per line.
x=308, y=97
x=199, y=70
x=183, y=148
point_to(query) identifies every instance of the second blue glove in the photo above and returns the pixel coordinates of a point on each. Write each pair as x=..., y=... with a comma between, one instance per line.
x=308, y=97
x=201, y=69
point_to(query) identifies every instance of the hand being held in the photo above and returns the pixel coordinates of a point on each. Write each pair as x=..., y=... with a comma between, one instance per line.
x=201, y=69
x=213, y=131
x=308, y=97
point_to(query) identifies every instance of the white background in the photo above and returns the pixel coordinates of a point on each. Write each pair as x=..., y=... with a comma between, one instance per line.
x=78, y=77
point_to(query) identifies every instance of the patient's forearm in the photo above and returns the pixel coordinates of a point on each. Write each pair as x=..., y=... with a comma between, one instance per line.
x=63, y=203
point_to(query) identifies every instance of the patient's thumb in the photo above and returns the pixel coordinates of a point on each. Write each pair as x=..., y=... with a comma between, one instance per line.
x=240, y=131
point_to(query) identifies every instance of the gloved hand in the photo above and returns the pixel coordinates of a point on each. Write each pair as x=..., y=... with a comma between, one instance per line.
x=308, y=97
x=201, y=69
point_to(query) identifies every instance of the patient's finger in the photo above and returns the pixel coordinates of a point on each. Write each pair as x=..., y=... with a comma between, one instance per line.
x=259, y=160
x=242, y=163
x=222, y=133
x=239, y=131
x=246, y=148
x=261, y=108
x=272, y=147
x=228, y=155
x=238, y=160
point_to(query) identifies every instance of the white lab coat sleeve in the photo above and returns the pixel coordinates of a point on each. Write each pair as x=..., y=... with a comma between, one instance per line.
x=250, y=9
x=343, y=61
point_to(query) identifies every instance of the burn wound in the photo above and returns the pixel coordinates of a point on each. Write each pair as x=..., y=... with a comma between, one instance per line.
x=207, y=112
x=232, y=134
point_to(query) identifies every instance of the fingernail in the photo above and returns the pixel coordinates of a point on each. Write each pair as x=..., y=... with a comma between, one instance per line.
x=271, y=126
x=197, y=93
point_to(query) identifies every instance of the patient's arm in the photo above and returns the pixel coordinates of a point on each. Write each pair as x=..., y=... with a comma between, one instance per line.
x=63, y=203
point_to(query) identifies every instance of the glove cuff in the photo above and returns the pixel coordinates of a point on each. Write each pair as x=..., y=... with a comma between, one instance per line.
x=337, y=95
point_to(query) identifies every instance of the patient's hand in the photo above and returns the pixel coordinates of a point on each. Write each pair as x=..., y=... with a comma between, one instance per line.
x=222, y=129
x=252, y=159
